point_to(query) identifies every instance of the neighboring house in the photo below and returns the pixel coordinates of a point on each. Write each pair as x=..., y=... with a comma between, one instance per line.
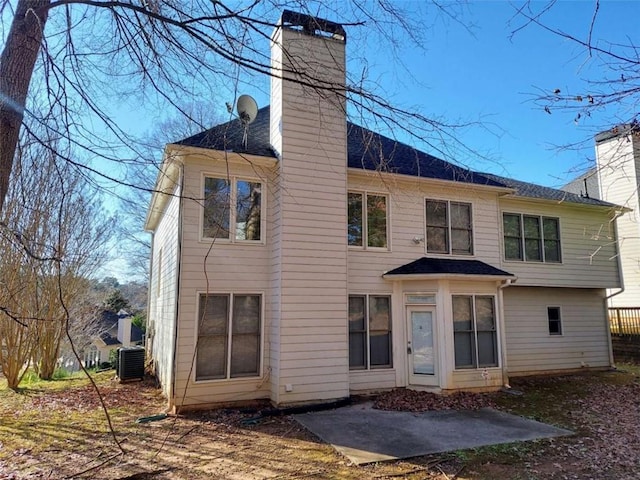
x=616, y=179
x=318, y=259
x=115, y=330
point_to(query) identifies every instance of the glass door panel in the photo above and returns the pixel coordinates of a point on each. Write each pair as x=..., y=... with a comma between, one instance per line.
x=422, y=348
x=422, y=343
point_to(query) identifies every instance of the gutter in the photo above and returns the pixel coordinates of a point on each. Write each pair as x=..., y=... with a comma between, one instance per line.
x=622, y=287
x=503, y=335
x=446, y=276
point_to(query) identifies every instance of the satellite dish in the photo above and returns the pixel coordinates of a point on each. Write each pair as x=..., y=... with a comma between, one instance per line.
x=247, y=109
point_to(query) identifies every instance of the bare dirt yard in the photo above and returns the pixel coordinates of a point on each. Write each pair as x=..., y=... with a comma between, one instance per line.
x=57, y=429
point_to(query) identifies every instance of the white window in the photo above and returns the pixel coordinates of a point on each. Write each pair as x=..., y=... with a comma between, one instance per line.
x=474, y=331
x=420, y=299
x=92, y=357
x=531, y=238
x=232, y=209
x=555, y=320
x=369, y=331
x=229, y=336
x=449, y=227
x=367, y=220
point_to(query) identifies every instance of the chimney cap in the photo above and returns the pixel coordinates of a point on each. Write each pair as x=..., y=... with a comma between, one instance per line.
x=313, y=25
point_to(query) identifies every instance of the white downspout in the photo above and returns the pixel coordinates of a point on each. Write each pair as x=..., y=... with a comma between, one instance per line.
x=174, y=360
x=605, y=301
x=503, y=335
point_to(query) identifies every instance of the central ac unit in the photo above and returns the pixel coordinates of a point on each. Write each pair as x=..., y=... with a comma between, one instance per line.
x=130, y=363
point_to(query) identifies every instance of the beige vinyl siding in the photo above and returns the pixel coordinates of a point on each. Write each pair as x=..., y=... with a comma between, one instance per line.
x=588, y=246
x=473, y=379
x=220, y=267
x=530, y=347
x=275, y=220
x=470, y=378
x=275, y=308
x=361, y=381
x=309, y=250
x=618, y=167
x=407, y=220
x=163, y=291
x=220, y=392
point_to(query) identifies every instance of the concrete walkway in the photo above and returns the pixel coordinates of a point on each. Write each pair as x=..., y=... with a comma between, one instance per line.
x=366, y=435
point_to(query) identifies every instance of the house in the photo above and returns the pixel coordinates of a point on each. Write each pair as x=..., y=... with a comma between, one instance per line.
x=114, y=330
x=616, y=179
x=303, y=258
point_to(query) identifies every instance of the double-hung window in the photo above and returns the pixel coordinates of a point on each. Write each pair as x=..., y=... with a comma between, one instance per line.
x=531, y=238
x=232, y=209
x=449, y=227
x=368, y=221
x=555, y=320
x=229, y=336
x=474, y=331
x=369, y=331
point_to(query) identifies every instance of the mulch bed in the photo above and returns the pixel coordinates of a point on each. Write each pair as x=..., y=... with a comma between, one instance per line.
x=402, y=399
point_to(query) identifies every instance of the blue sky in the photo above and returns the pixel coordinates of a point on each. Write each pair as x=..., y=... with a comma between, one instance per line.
x=475, y=70
x=488, y=75
x=493, y=76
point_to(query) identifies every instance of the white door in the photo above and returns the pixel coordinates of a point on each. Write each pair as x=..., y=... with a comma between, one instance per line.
x=421, y=346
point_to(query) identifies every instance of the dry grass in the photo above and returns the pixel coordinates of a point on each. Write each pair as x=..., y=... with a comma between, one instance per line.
x=57, y=430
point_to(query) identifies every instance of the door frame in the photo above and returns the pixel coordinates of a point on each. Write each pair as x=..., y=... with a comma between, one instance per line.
x=422, y=380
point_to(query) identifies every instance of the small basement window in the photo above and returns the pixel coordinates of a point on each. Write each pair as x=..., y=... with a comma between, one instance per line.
x=555, y=322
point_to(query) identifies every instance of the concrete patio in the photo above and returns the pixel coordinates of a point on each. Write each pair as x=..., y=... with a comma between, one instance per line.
x=364, y=434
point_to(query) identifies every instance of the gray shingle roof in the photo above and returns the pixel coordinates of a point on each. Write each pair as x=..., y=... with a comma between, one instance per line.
x=228, y=137
x=618, y=131
x=108, y=329
x=531, y=190
x=586, y=184
x=368, y=150
x=444, y=266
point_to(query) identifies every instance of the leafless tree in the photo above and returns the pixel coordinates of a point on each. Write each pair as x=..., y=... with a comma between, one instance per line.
x=51, y=237
x=617, y=90
x=64, y=61
x=132, y=241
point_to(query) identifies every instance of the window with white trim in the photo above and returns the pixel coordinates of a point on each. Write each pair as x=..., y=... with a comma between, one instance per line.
x=474, y=331
x=531, y=238
x=369, y=332
x=555, y=320
x=229, y=336
x=232, y=209
x=367, y=220
x=449, y=227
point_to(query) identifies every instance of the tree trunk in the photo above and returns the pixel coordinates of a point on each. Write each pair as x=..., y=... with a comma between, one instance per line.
x=16, y=68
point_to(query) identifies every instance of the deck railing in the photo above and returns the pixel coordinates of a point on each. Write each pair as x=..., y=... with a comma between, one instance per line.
x=624, y=321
